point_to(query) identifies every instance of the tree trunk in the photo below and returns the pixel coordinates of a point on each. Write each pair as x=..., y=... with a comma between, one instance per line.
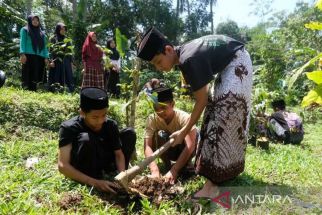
x=177, y=11
x=29, y=7
x=212, y=16
x=74, y=10
x=188, y=7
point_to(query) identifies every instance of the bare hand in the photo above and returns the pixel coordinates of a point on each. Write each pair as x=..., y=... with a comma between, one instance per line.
x=178, y=137
x=52, y=64
x=155, y=174
x=171, y=176
x=23, y=59
x=106, y=186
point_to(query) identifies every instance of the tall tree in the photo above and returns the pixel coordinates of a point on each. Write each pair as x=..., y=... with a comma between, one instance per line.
x=29, y=6
x=182, y=6
x=150, y=13
x=74, y=3
x=196, y=24
x=211, y=3
x=229, y=28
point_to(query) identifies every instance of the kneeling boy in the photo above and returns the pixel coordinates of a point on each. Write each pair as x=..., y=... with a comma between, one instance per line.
x=167, y=120
x=91, y=143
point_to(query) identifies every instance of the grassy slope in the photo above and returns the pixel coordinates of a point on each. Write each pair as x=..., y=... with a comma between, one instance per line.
x=40, y=190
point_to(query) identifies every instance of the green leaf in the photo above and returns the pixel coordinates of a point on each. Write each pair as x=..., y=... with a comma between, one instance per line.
x=297, y=72
x=319, y=4
x=121, y=42
x=314, y=25
x=315, y=76
x=67, y=40
x=314, y=96
x=93, y=26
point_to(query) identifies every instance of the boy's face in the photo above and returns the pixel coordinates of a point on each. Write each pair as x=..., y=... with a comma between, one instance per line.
x=164, y=62
x=94, y=119
x=165, y=110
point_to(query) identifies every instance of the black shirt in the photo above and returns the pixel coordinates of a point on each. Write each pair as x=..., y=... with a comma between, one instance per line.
x=202, y=58
x=75, y=131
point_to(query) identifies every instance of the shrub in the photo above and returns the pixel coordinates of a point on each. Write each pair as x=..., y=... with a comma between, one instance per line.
x=44, y=110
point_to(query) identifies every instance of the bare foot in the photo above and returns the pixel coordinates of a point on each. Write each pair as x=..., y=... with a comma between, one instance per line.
x=209, y=190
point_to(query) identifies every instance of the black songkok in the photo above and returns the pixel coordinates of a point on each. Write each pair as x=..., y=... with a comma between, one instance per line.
x=151, y=44
x=92, y=98
x=164, y=94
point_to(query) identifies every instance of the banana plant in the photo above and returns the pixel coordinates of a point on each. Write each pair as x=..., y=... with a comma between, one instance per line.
x=314, y=95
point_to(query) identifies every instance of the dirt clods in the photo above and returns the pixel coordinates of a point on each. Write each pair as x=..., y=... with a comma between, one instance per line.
x=70, y=200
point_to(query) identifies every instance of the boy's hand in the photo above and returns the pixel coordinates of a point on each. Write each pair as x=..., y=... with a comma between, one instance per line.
x=178, y=137
x=171, y=176
x=155, y=174
x=106, y=186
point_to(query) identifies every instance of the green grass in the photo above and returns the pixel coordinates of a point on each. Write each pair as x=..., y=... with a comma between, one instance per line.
x=40, y=190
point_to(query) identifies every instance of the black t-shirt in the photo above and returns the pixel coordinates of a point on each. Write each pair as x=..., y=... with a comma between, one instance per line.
x=201, y=58
x=75, y=131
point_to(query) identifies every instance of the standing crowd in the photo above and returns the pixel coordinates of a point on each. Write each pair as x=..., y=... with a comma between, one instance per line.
x=37, y=53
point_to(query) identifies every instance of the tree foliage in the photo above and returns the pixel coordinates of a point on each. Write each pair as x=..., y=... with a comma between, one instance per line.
x=231, y=29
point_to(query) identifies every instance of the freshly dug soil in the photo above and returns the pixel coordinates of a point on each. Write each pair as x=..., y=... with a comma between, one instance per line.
x=69, y=200
x=156, y=189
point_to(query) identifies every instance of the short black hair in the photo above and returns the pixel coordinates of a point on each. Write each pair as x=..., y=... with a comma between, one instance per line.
x=280, y=104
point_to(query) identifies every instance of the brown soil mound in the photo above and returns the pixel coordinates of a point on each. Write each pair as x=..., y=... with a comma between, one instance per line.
x=156, y=189
x=69, y=200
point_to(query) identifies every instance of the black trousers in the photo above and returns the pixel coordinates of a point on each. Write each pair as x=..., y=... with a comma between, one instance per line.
x=173, y=153
x=62, y=74
x=113, y=80
x=92, y=159
x=33, y=72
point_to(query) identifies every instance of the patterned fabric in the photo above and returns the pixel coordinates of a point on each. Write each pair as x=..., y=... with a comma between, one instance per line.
x=221, y=151
x=93, y=78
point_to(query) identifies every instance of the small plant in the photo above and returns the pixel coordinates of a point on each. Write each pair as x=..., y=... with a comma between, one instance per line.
x=60, y=50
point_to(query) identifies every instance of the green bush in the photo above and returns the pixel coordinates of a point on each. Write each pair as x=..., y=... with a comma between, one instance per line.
x=44, y=110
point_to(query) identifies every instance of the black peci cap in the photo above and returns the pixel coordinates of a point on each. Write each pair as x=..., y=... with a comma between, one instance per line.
x=164, y=94
x=93, y=98
x=151, y=44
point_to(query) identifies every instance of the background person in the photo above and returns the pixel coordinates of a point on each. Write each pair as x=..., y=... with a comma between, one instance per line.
x=61, y=71
x=33, y=54
x=92, y=57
